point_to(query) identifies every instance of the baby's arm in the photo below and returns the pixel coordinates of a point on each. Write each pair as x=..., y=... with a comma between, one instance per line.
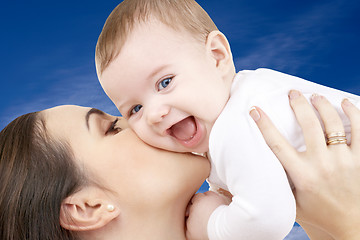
x=199, y=210
x=263, y=206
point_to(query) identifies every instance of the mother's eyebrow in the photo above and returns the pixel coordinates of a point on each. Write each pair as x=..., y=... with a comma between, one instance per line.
x=88, y=114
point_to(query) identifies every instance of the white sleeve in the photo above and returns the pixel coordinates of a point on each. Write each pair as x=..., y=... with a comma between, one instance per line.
x=263, y=206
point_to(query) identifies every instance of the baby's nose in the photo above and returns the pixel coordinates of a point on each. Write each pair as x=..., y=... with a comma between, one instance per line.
x=157, y=114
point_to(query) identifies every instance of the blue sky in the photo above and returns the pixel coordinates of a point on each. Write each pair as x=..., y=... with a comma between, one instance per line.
x=47, y=47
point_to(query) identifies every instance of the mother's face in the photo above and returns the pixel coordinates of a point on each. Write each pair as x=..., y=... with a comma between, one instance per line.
x=121, y=161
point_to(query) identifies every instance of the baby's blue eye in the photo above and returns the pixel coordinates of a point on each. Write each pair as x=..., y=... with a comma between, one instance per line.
x=136, y=109
x=164, y=83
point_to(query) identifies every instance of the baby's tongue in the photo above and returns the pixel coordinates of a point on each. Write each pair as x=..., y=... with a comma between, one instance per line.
x=185, y=129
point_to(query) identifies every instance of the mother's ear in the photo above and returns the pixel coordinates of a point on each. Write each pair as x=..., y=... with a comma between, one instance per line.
x=218, y=47
x=87, y=209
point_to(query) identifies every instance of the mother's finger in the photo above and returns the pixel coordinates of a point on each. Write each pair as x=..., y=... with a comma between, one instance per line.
x=308, y=121
x=277, y=143
x=331, y=119
x=353, y=114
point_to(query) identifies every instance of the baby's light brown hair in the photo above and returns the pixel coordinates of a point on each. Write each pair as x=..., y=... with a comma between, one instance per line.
x=180, y=15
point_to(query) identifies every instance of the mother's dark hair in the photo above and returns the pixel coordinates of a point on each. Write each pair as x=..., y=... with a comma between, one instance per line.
x=37, y=173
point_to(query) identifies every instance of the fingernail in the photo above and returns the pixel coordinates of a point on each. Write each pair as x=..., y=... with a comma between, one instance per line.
x=254, y=113
x=294, y=94
x=346, y=102
x=315, y=97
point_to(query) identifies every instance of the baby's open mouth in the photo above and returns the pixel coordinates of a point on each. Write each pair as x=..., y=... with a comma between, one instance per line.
x=184, y=130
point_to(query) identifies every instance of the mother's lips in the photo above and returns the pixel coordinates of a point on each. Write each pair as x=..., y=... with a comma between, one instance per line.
x=184, y=130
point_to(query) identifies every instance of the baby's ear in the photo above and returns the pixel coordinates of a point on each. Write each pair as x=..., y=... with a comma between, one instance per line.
x=85, y=210
x=219, y=49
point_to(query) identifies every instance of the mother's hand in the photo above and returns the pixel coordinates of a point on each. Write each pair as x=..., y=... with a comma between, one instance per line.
x=326, y=177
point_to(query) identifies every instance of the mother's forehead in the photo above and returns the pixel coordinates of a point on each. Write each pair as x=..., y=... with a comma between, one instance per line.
x=63, y=118
x=72, y=116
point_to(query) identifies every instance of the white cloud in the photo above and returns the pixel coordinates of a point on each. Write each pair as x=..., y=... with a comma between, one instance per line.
x=275, y=51
x=71, y=86
x=290, y=44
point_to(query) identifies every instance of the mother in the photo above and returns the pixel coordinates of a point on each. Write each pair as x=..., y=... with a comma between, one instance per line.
x=77, y=173
x=88, y=170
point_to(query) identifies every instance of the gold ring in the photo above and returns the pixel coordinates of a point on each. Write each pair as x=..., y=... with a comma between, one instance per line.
x=336, y=138
x=336, y=141
x=335, y=135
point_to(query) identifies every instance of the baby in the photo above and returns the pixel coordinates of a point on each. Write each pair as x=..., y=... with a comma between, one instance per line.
x=170, y=72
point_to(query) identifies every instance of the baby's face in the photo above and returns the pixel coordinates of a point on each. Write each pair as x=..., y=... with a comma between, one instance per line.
x=168, y=87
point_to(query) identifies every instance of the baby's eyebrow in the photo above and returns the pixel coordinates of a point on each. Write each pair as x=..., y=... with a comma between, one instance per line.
x=88, y=114
x=157, y=70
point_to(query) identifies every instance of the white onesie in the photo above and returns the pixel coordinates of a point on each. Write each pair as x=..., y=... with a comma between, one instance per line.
x=263, y=206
